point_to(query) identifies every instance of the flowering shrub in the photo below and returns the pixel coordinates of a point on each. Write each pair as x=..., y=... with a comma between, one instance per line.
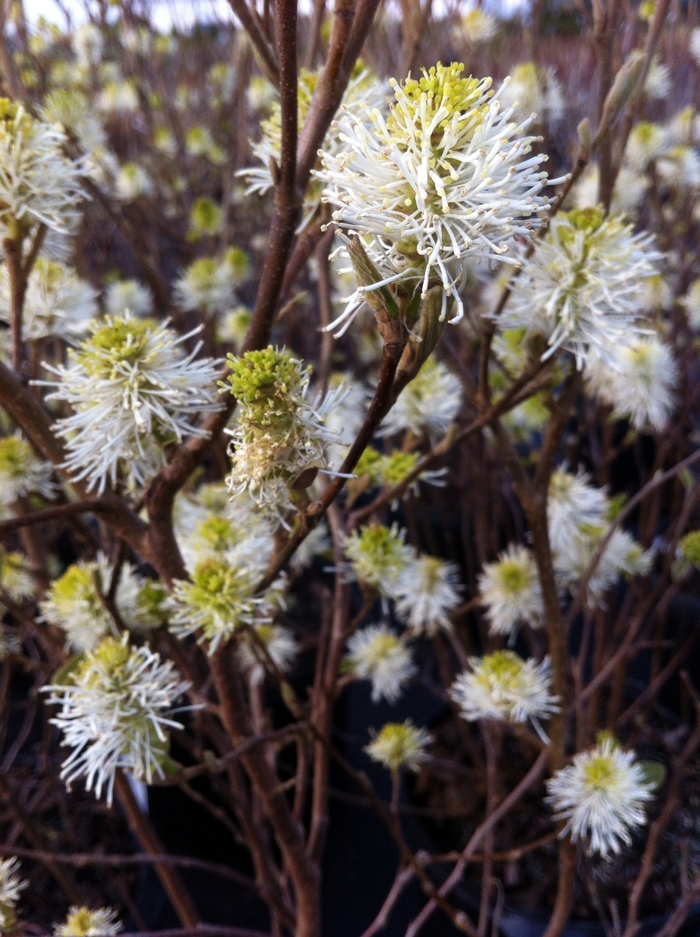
x=372, y=381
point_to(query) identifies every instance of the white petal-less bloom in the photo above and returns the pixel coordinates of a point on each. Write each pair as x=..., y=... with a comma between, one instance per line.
x=583, y=287
x=684, y=128
x=658, y=295
x=379, y=557
x=646, y=143
x=128, y=296
x=430, y=402
x=375, y=653
x=72, y=110
x=21, y=472
x=206, y=285
x=680, y=168
x=38, y=184
x=601, y=796
x=16, y=579
x=691, y=304
x=75, y=602
x=118, y=98
x=478, y=27
x=447, y=176
x=505, y=687
x=510, y=590
x=133, y=182
x=57, y=302
x=639, y=384
x=429, y=590
x=622, y=556
x=279, y=643
x=87, y=42
x=571, y=502
x=83, y=922
x=116, y=711
x=239, y=537
x=658, y=83
x=694, y=44
x=133, y=390
x=10, y=887
x=630, y=188
x=317, y=542
x=281, y=438
x=535, y=90
x=399, y=745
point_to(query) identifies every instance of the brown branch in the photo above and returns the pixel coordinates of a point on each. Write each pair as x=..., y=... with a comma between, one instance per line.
x=265, y=55
x=94, y=506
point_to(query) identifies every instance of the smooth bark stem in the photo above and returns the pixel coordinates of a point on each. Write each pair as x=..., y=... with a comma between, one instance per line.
x=18, y=288
x=170, y=878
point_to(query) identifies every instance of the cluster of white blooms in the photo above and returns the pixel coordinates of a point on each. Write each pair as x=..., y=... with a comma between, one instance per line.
x=17, y=583
x=21, y=472
x=429, y=403
x=116, y=709
x=132, y=182
x=583, y=287
x=76, y=602
x=638, y=382
x=10, y=887
x=363, y=90
x=691, y=304
x=446, y=177
x=376, y=653
x=602, y=796
x=535, y=90
x=504, y=687
x=209, y=285
x=399, y=745
x=428, y=591
x=133, y=391
x=510, y=590
x=478, y=27
x=57, y=303
x=82, y=922
x=38, y=184
x=379, y=558
x=278, y=443
x=578, y=517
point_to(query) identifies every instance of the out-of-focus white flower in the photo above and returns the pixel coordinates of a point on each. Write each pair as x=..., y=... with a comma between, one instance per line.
x=280, y=437
x=430, y=402
x=164, y=141
x=87, y=44
x=622, y=556
x=21, y=472
x=207, y=286
x=375, y=653
x=510, y=590
x=72, y=109
x=57, y=302
x=583, y=286
x=602, y=796
x=133, y=390
x=238, y=537
x=535, y=90
x=379, y=557
x=639, y=383
x=38, y=184
x=657, y=294
x=691, y=303
x=133, y=182
x=346, y=419
x=279, y=643
x=684, y=128
x=128, y=296
x=75, y=602
x=428, y=591
x=116, y=710
x=260, y=93
x=658, y=83
x=680, y=168
x=399, y=745
x=16, y=579
x=82, y=922
x=233, y=325
x=694, y=44
x=317, y=542
x=10, y=887
x=478, y=27
x=118, y=97
x=505, y=687
x=447, y=176
x=646, y=143
x=630, y=189
x=572, y=501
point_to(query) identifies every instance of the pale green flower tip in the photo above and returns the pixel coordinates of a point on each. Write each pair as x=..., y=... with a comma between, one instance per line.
x=399, y=745
x=689, y=548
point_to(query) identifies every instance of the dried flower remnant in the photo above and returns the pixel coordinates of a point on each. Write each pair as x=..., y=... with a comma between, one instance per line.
x=446, y=177
x=583, y=287
x=601, y=796
x=116, y=712
x=510, y=590
x=504, y=687
x=133, y=391
x=376, y=653
x=399, y=745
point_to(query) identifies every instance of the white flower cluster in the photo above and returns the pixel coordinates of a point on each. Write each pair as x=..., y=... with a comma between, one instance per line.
x=430, y=402
x=82, y=922
x=399, y=745
x=601, y=796
x=534, y=90
x=10, y=887
x=378, y=654
x=446, y=177
x=116, y=710
x=209, y=285
x=21, y=472
x=133, y=391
